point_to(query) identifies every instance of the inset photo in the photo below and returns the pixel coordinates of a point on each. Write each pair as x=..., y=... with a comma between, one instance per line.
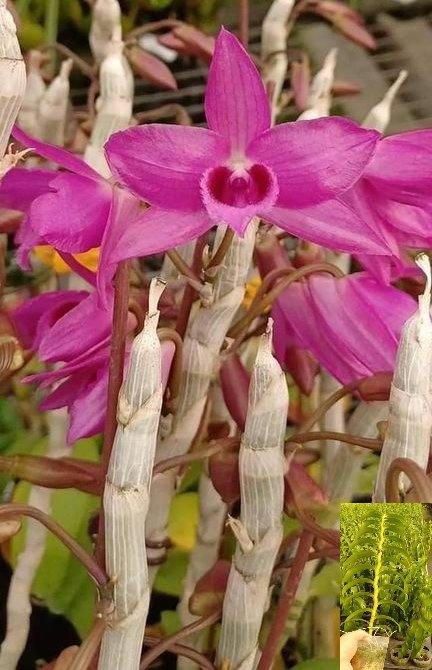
x=386, y=586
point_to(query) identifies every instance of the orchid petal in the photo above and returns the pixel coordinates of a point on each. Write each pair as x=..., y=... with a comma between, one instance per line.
x=236, y=104
x=50, y=152
x=68, y=391
x=314, y=160
x=402, y=165
x=20, y=186
x=73, y=216
x=36, y=316
x=82, y=328
x=333, y=224
x=87, y=413
x=152, y=232
x=163, y=164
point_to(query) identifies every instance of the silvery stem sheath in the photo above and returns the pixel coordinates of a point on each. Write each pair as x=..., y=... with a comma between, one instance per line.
x=203, y=341
x=126, y=496
x=19, y=606
x=106, y=15
x=35, y=89
x=259, y=530
x=410, y=412
x=53, y=107
x=114, y=105
x=379, y=116
x=319, y=99
x=274, y=56
x=12, y=79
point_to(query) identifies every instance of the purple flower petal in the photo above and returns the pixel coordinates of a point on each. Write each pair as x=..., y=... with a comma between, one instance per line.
x=314, y=160
x=67, y=392
x=87, y=413
x=50, y=152
x=402, y=165
x=234, y=196
x=73, y=216
x=154, y=231
x=236, y=103
x=82, y=328
x=20, y=186
x=163, y=164
x=36, y=316
x=333, y=224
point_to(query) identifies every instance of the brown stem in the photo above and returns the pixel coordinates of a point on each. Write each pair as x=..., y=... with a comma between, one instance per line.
x=177, y=461
x=358, y=440
x=88, y=647
x=286, y=601
x=308, y=522
x=220, y=253
x=152, y=27
x=116, y=365
x=11, y=510
x=81, y=64
x=329, y=402
x=244, y=22
x=264, y=299
x=166, y=643
x=189, y=293
x=421, y=483
x=171, y=109
x=181, y=266
x=182, y=650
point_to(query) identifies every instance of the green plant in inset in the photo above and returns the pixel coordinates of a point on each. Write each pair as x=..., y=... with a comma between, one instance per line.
x=384, y=553
x=421, y=624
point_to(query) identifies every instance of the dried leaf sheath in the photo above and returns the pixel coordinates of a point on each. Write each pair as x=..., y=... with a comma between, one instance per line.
x=126, y=496
x=259, y=529
x=203, y=341
x=410, y=410
x=12, y=78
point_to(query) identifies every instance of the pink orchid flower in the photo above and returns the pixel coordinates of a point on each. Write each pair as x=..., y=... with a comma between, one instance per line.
x=241, y=167
x=73, y=330
x=351, y=324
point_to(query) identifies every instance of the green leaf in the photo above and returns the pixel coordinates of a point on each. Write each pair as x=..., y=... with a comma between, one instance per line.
x=169, y=579
x=183, y=520
x=170, y=622
x=318, y=664
x=327, y=581
x=61, y=582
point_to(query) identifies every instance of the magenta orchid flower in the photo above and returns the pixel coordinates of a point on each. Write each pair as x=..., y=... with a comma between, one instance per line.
x=351, y=324
x=72, y=330
x=240, y=167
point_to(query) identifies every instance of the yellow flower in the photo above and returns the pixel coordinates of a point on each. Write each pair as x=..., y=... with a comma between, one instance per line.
x=50, y=257
x=251, y=289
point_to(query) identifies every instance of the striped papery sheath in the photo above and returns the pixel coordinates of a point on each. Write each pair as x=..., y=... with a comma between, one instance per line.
x=12, y=82
x=259, y=530
x=126, y=496
x=410, y=410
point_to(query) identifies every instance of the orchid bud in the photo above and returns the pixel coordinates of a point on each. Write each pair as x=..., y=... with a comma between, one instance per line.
x=379, y=116
x=300, y=82
x=150, y=68
x=224, y=473
x=35, y=89
x=57, y=473
x=344, y=88
x=301, y=490
x=376, y=387
x=53, y=107
x=210, y=589
x=410, y=409
x=8, y=529
x=235, y=381
x=12, y=80
x=270, y=253
x=307, y=253
x=303, y=368
x=196, y=43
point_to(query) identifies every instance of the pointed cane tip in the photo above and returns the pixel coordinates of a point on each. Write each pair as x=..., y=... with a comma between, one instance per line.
x=423, y=262
x=157, y=287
